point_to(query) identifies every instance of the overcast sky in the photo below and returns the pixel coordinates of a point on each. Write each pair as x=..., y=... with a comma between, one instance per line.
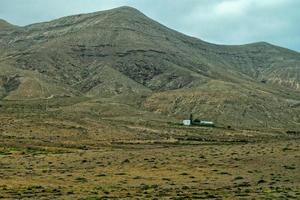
x=217, y=21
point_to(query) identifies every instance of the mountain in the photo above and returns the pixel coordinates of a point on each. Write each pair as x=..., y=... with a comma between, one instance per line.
x=4, y=25
x=121, y=52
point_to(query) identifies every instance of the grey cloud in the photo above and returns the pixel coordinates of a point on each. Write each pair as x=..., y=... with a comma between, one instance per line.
x=219, y=21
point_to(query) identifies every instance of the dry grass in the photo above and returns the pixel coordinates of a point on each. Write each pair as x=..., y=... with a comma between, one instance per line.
x=76, y=155
x=153, y=171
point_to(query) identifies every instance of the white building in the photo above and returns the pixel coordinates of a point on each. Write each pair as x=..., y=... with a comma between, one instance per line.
x=206, y=123
x=187, y=122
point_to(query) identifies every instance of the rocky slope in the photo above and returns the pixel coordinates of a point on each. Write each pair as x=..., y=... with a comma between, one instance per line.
x=123, y=52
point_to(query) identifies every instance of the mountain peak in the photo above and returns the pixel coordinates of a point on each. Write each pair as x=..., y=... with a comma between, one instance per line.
x=125, y=11
x=122, y=9
x=126, y=8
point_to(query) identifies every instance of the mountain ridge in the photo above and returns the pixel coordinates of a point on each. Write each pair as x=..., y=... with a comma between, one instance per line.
x=136, y=11
x=122, y=52
x=6, y=25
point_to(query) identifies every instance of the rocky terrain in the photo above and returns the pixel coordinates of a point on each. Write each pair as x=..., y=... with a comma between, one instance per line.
x=122, y=52
x=91, y=107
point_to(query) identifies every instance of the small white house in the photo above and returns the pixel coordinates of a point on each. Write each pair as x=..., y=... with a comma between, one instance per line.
x=187, y=122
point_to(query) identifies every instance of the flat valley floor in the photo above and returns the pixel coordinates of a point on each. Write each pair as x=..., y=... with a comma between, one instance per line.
x=75, y=155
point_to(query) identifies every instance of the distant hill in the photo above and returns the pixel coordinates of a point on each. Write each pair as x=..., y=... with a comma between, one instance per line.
x=122, y=52
x=5, y=25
